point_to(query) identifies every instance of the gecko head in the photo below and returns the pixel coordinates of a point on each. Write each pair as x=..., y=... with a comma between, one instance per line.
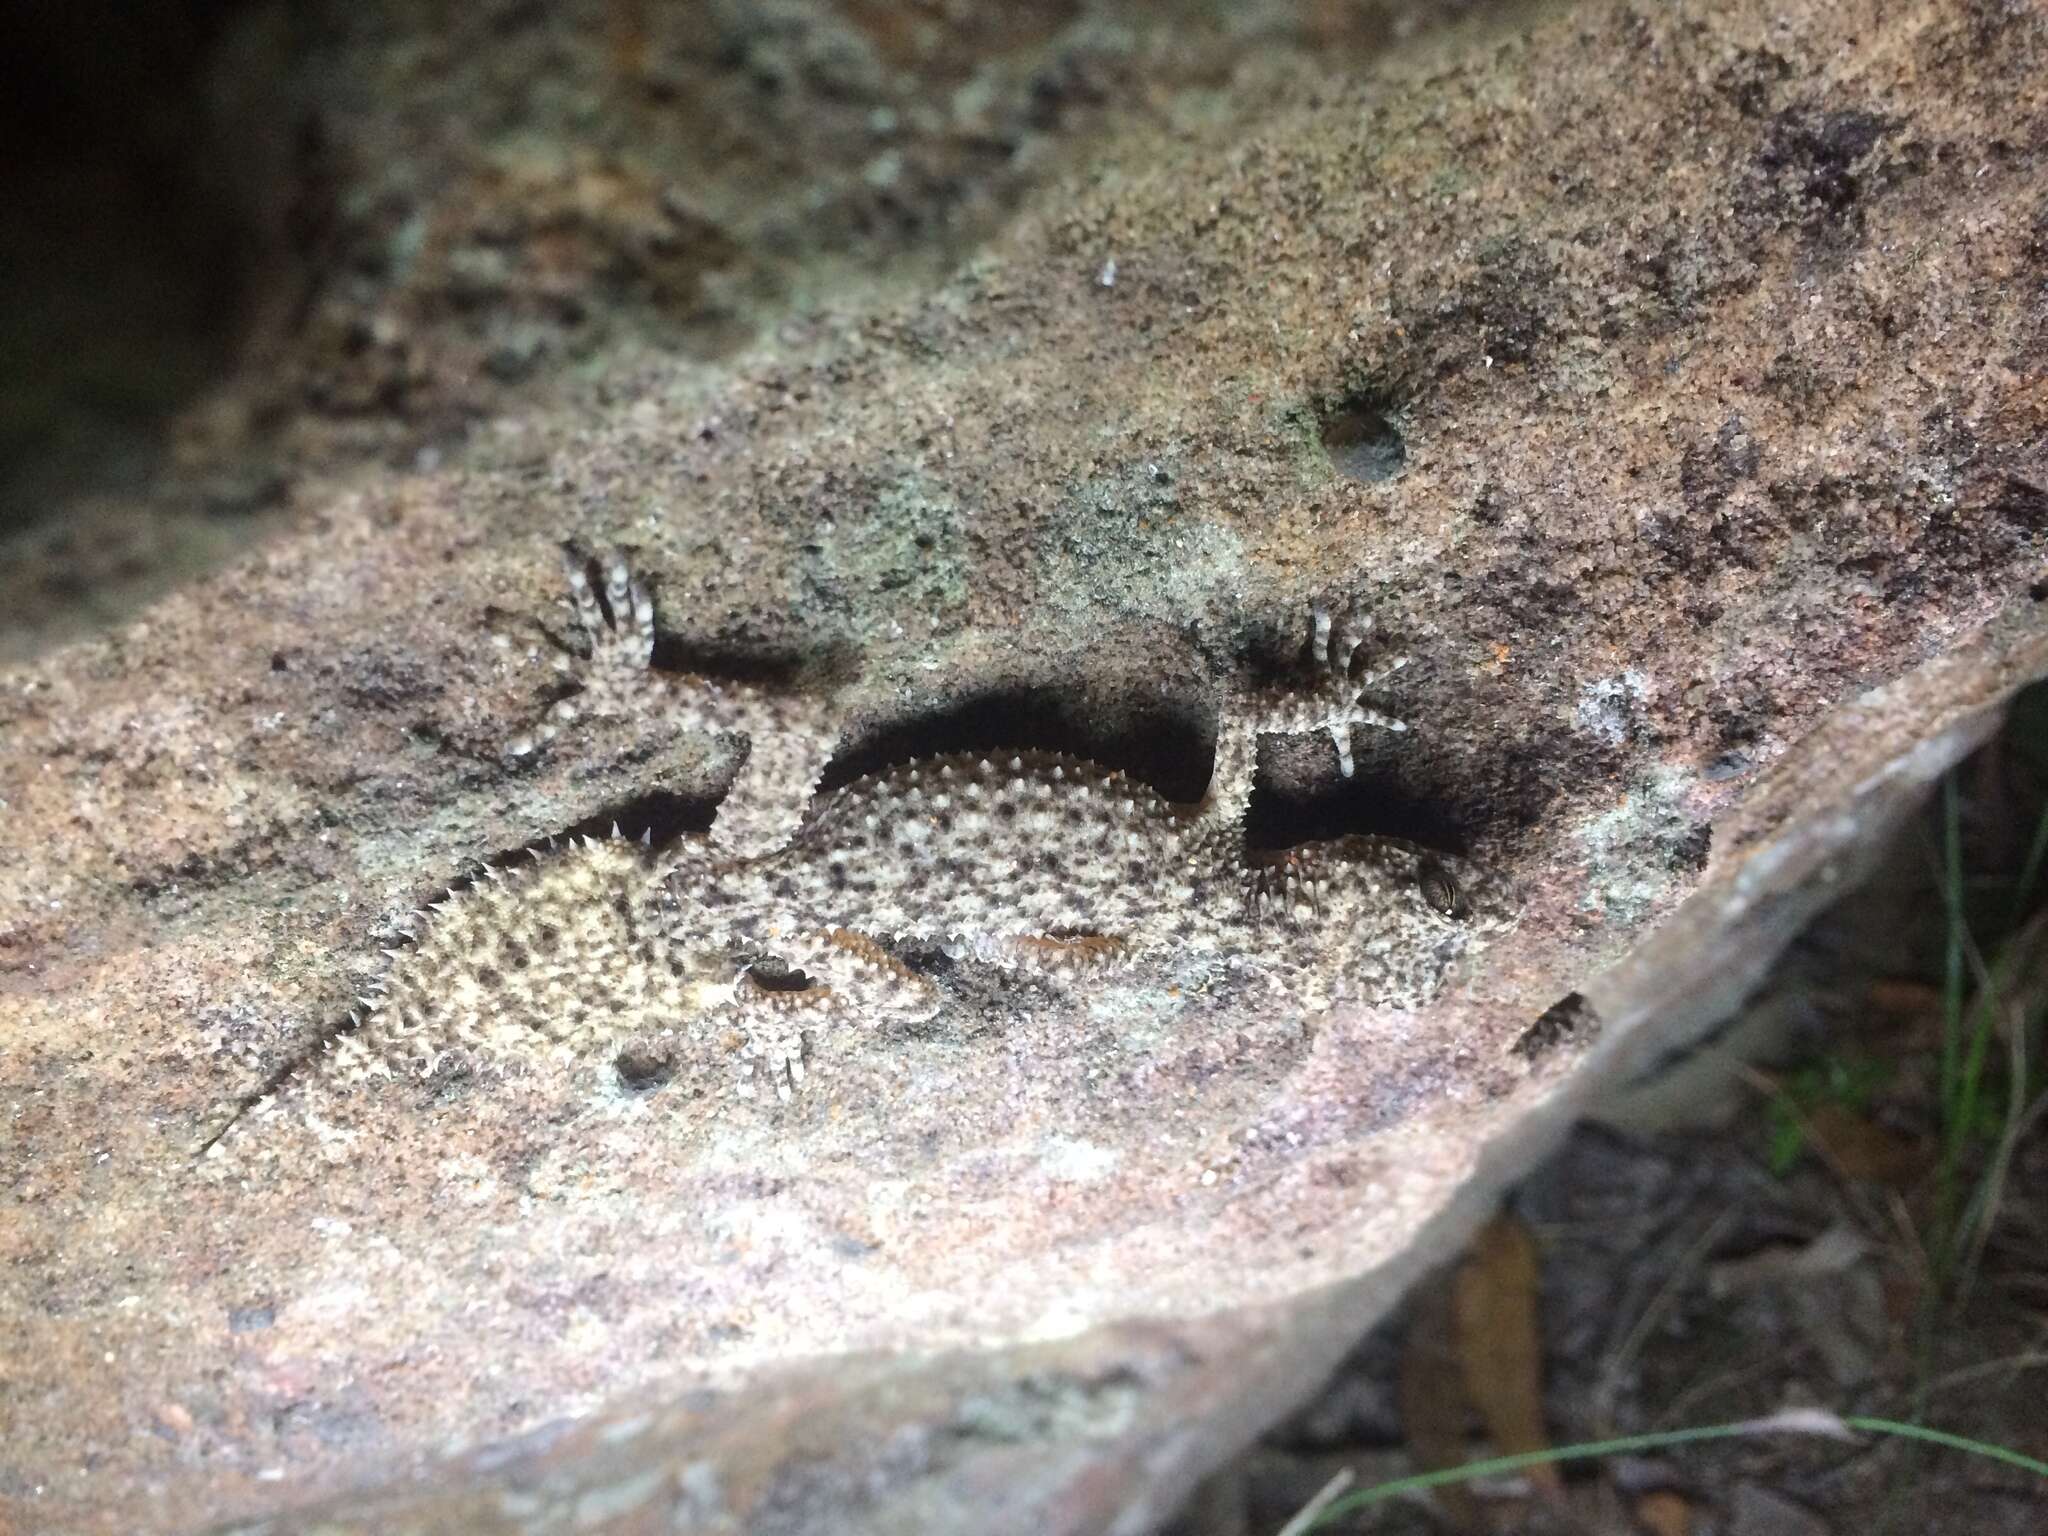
x=1385, y=881
x=1388, y=918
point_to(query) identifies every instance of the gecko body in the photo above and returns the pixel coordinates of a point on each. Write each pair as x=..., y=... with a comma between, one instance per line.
x=801, y=907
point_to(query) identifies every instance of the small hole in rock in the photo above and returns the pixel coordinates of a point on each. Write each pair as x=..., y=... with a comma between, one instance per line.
x=1363, y=439
x=644, y=1068
x=1571, y=1016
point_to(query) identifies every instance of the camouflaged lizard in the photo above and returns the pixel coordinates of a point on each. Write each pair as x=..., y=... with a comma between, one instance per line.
x=793, y=910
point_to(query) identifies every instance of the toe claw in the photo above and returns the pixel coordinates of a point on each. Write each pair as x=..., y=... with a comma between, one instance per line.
x=1340, y=738
x=618, y=576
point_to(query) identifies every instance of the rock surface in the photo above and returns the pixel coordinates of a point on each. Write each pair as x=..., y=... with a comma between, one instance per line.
x=1665, y=380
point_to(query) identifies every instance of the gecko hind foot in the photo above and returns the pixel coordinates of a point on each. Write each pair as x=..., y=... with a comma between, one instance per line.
x=1343, y=689
x=1332, y=702
x=618, y=633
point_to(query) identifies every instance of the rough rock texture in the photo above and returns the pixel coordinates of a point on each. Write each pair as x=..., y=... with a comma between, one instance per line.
x=1663, y=379
x=409, y=218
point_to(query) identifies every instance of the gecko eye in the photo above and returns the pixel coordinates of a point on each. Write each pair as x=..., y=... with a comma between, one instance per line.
x=1440, y=890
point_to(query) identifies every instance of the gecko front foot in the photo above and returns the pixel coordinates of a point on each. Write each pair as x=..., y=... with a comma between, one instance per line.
x=770, y=748
x=618, y=632
x=1334, y=703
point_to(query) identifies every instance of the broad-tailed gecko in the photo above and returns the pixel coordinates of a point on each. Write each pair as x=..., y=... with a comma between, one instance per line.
x=798, y=909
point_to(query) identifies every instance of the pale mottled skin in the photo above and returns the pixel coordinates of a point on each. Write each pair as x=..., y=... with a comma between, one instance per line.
x=785, y=915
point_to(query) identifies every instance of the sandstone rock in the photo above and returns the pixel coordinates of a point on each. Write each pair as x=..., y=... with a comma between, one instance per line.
x=1668, y=381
